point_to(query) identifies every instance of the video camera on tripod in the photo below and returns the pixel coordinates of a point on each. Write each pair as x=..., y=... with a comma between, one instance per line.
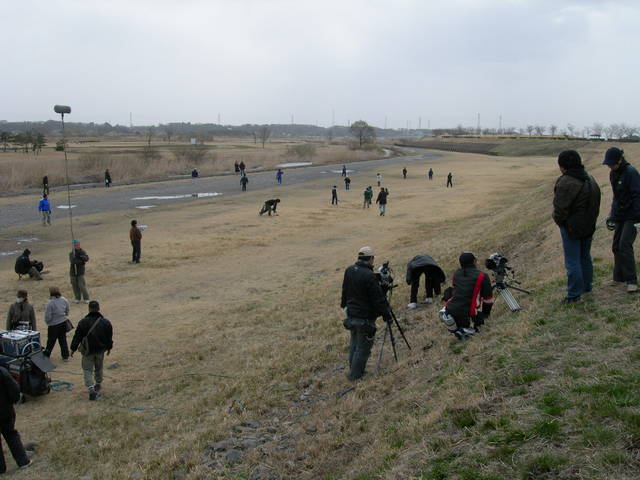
x=504, y=279
x=386, y=284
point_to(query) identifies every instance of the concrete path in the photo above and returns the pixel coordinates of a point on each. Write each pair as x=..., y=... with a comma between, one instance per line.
x=155, y=195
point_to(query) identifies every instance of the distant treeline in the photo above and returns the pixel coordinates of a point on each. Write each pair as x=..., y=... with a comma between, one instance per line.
x=200, y=131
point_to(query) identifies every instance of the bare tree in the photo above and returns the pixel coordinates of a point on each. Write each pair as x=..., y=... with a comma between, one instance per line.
x=596, y=129
x=149, y=137
x=168, y=132
x=362, y=131
x=264, y=132
x=539, y=129
x=572, y=129
x=553, y=129
x=530, y=129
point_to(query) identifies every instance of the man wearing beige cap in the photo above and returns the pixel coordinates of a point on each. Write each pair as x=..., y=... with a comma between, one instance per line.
x=364, y=301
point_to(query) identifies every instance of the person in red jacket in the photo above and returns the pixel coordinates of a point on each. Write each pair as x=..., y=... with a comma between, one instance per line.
x=135, y=235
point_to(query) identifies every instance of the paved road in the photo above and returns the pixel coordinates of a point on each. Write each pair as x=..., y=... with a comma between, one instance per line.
x=146, y=195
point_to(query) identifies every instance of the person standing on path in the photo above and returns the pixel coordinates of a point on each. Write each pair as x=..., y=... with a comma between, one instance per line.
x=344, y=170
x=450, y=180
x=236, y=168
x=194, y=176
x=404, y=173
x=242, y=168
x=382, y=200
x=9, y=396
x=77, y=260
x=107, y=178
x=334, y=195
x=99, y=334
x=135, y=235
x=378, y=178
x=56, y=314
x=45, y=208
x=347, y=183
x=243, y=182
x=45, y=185
x=624, y=214
x=279, y=176
x=431, y=174
x=576, y=205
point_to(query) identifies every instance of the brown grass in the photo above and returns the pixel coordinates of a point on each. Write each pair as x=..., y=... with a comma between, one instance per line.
x=222, y=291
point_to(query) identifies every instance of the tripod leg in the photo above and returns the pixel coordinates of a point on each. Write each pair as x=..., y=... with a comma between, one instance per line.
x=393, y=342
x=395, y=319
x=381, y=351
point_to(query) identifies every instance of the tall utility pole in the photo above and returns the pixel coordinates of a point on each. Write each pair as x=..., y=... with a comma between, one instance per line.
x=419, y=123
x=478, y=124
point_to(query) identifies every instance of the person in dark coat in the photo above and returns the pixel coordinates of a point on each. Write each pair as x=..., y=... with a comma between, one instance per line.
x=334, y=195
x=25, y=266
x=242, y=168
x=99, y=333
x=431, y=174
x=347, y=183
x=363, y=302
x=107, y=178
x=624, y=214
x=45, y=185
x=344, y=170
x=243, y=182
x=135, y=235
x=450, y=180
x=77, y=260
x=382, y=200
x=404, y=173
x=471, y=288
x=21, y=314
x=10, y=395
x=270, y=207
x=236, y=167
x=576, y=205
x=434, y=277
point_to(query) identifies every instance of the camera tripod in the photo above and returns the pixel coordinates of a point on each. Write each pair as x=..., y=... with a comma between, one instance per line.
x=503, y=289
x=389, y=330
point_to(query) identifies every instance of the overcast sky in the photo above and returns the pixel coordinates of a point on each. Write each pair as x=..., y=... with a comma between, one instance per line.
x=262, y=61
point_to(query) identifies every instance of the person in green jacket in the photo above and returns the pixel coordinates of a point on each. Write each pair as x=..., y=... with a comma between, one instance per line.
x=368, y=195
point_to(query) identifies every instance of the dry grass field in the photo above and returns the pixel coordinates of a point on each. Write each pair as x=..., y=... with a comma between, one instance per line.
x=134, y=161
x=234, y=318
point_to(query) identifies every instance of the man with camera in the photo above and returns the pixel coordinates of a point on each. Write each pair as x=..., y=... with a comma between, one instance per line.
x=471, y=288
x=576, y=205
x=625, y=213
x=364, y=301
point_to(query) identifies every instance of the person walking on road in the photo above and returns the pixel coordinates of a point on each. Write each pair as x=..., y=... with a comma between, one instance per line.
x=334, y=195
x=194, y=176
x=135, y=235
x=77, y=260
x=242, y=168
x=9, y=396
x=404, y=173
x=107, y=178
x=279, y=176
x=382, y=200
x=379, y=179
x=450, y=180
x=243, y=182
x=344, y=170
x=45, y=185
x=624, y=214
x=431, y=174
x=236, y=168
x=56, y=314
x=45, y=209
x=99, y=334
x=368, y=196
x=347, y=183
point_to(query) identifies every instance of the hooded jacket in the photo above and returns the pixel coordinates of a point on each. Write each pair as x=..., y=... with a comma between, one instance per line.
x=576, y=202
x=424, y=263
x=625, y=182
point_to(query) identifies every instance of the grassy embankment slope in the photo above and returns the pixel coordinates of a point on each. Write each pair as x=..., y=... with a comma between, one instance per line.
x=551, y=392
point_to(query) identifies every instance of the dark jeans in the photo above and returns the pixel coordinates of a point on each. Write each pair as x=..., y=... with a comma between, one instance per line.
x=624, y=262
x=334, y=200
x=430, y=285
x=12, y=437
x=137, y=249
x=449, y=183
x=59, y=333
x=577, y=261
x=360, y=347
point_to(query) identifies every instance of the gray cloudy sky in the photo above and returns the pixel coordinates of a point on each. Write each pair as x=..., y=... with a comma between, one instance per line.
x=251, y=61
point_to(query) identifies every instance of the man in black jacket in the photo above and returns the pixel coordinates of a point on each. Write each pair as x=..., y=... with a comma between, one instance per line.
x=99, y=334
x=471, y=288
x=363, y=301
x=270, y=206
x=576, y=205
x=9, y=395
x=433, y=278
x=25, y=266
x=77, y=260
x=625, y=213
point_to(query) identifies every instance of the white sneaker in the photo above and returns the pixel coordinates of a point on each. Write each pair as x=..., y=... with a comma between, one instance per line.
x=428, y=300
x=632, y=288
x=412, y=305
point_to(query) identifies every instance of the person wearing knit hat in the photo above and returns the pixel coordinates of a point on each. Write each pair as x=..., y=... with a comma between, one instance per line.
x=471, y=288
x=576, y=206
x=363, y=302
x=624, y=214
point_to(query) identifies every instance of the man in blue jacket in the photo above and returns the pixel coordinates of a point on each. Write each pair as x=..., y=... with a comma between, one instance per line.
x=625, y=213
x=45, y=207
